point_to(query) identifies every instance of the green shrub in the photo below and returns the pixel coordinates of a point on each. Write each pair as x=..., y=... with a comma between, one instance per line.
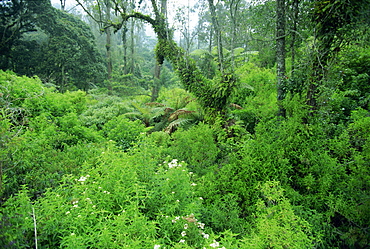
x=124, y=131
x=276, y=225
x=256, y=95
x=196, y=146
x=101, y=109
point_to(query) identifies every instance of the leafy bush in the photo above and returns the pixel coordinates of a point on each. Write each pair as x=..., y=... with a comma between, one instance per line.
x=124, y=131
x=196, y=146
x=276, y=225
x=256, y=95
x=101, y=109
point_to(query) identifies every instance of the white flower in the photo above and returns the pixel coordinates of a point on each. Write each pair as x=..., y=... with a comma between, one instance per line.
x=176, y=218
x=201, y=225
x=157, y=246
x=193, y=184
x=200, y=198
x=68, y=212
x=183, y=233
x=215, y=244
x=173, y=164
x=73, y=234
x=206, y=236
x=182, y=241
x=75, y=206
x=82, y=179
x=75, y=202
x=186, y=226
x=177, y=200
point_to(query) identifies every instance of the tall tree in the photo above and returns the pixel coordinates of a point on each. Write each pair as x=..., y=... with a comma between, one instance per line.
x=108, y=32
x=217, y=32
x=280, y=52
x=62, y=4
x=16, y=18
x=212, y=95
x=162, y=17
x=234, y=10
x=333, y=21
x=60, y=49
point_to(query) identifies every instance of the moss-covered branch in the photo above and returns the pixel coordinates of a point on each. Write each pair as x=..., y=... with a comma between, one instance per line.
x=212, y=94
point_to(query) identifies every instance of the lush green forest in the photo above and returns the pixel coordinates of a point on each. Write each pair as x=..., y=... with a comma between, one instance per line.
x=241, y=124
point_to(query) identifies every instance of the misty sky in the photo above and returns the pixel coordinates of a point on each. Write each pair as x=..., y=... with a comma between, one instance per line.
x=172, y=6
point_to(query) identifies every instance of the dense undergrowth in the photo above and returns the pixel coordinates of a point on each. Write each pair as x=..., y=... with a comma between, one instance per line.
x=90, y=170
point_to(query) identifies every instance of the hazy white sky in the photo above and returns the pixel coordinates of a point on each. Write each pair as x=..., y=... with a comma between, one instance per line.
x=172, y=6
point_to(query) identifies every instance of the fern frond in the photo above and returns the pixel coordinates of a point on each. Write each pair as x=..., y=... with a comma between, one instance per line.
x=133, y=115
x=154, y=104
x=176, y=123
x=168, y=109
x=236, y=106
x=178, y=113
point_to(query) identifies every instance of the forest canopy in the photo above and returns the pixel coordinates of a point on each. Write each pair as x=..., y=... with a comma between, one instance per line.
x=248, y=129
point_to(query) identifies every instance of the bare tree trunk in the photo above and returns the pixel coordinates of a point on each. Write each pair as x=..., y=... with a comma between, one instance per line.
x=158, y=65
x=217, y=29
x=210, y=40
x=294, y=34
x=62, y=4
x=234, y=6
x=132, y=34
x=108, y=44
x=109, y=54
x=124, y=44
x=280, y=53
x=156, y=84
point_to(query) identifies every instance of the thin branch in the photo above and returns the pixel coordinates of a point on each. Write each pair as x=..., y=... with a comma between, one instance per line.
x=88, y=12
x=35, y=226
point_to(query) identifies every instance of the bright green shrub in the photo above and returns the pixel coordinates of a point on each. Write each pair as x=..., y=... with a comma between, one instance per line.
x=16, y=89
x=45, y=128
x=101, y=109
x=355, y=74
x=196, y=146
x=177, y=98
x=41, y=158
x=276, y=225
x=16, y=222
x=256, y=95
x=124, y=131
x=98, y=208
x=172, y=202
x=350, y=205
